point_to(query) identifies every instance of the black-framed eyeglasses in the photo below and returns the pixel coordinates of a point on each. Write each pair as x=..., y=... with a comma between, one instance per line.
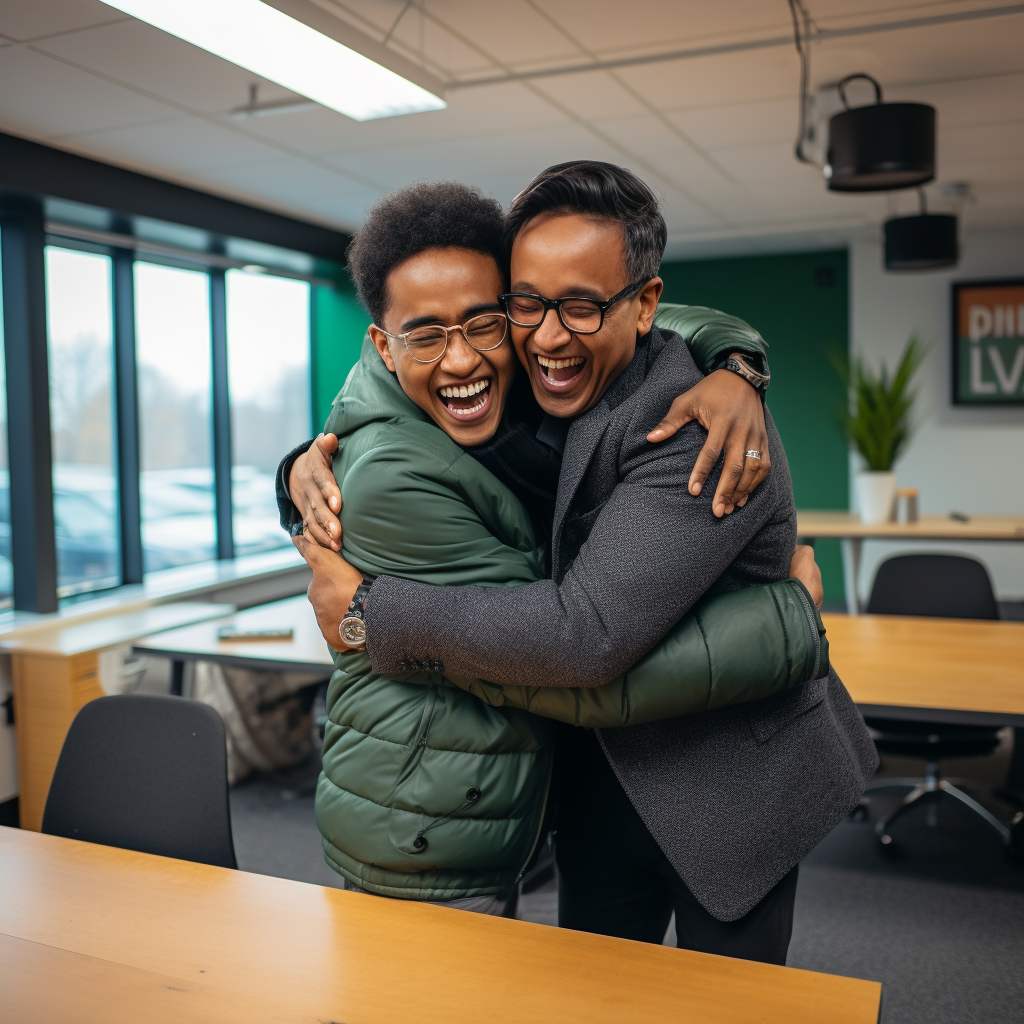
x=578, y=314
x=428, y=344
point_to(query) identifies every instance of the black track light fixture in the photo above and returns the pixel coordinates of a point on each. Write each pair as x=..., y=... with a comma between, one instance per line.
x=924, y=241
x=881, y=146
x=874, y=148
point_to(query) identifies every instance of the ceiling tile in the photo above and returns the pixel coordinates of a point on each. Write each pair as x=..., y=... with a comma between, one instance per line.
x=484, y=160
x=292, y=185
x=490, y=110
x=41, y=97
x=183, y=144
x=594, y=94
x=146, y=58
x=739, y=124
x=23, y=19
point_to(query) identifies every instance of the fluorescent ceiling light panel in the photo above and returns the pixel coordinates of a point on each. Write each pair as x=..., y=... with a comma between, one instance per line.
x=271, y=44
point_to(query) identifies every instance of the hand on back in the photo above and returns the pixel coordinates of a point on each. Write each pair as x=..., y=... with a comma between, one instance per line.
x=803, y=567
x=314, y=492
x=730, y=410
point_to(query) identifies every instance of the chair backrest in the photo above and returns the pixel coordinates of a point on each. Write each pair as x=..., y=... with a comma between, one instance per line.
x=145, y=773
x=943, y=586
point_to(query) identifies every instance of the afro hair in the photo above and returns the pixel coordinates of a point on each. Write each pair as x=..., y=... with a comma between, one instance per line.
x=429, y=215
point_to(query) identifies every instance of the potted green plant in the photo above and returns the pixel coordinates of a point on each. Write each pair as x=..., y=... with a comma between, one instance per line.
x=879, y=423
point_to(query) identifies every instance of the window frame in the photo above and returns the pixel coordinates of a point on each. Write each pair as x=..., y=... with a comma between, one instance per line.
x=44, y=595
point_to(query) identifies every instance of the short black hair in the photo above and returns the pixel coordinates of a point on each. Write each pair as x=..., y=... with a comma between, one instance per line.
x=598, y=189
x=428, y=215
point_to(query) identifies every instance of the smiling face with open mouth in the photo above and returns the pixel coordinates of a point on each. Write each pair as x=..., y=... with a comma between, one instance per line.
x=572, y=256
x=463, y=390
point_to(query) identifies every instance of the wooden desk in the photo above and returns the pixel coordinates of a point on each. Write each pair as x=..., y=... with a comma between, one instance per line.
x=96, y=934
x=967, y=671
x=957, y=670
x=852, y=533
x=56, y=671
x=306, y=649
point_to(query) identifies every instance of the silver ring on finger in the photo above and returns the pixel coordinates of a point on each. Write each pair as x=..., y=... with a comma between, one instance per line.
x=753, y=455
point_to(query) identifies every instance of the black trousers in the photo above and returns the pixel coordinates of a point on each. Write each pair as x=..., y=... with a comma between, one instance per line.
x=615, y=880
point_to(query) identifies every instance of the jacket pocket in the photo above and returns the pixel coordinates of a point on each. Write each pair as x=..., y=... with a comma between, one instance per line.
x=766, y=717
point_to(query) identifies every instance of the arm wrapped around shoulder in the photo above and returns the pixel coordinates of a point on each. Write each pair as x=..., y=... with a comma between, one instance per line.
x=730, y=649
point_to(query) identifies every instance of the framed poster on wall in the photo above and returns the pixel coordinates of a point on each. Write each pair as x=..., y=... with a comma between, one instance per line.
x=988, y=342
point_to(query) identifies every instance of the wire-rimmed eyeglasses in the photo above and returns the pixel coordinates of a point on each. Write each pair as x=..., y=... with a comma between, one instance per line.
x=578, y=314
x=427, y=344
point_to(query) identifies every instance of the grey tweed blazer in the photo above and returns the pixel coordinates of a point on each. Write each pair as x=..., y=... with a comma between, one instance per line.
x=734, y=797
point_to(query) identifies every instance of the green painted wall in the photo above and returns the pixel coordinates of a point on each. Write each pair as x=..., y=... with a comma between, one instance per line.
x=799, y=303
x=338, y=323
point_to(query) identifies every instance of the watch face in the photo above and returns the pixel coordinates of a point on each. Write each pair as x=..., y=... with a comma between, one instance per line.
x=353, y=632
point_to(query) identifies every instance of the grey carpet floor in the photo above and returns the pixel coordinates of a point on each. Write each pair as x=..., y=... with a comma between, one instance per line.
x=939, y=920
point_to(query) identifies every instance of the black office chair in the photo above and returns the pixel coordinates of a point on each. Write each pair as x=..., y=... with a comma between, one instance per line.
x=940, y=586
x=148, y=773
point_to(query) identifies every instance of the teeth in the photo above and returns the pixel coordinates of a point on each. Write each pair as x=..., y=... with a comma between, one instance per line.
x=466, y=412
x=560, y=364
x=465, y=391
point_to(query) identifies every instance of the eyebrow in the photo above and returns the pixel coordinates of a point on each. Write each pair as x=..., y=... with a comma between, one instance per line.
x=573, y=292
x=431, y=319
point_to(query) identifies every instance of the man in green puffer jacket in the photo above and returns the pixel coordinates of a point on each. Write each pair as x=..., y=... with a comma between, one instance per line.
x=428, y=792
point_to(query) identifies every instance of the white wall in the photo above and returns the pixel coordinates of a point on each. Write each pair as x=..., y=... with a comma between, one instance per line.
x=967, y=459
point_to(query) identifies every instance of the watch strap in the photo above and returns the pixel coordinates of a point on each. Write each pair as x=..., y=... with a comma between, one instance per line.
x=758, y=381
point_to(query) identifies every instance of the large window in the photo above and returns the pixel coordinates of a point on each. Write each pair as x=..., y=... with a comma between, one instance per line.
x=81, y=354
x=172, y=332
x=269, y=384
x=6, y=572
x=175, y=379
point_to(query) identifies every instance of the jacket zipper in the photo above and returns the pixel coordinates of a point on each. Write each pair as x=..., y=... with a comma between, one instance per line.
x=420, y=741
x=815, y=638
x=540, y=825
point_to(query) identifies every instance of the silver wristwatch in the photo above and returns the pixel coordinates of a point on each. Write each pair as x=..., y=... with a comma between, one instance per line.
x=353, y=628
x=738, y=364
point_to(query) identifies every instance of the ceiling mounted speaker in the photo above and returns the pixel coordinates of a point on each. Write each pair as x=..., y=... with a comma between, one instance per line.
x=880, y=147
x=925, y=241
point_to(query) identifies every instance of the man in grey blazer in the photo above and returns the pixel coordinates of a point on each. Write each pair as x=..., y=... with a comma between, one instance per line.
x=706, y=815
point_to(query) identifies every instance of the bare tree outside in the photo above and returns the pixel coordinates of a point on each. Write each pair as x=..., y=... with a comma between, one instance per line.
x=269, y=382
x=81, y=353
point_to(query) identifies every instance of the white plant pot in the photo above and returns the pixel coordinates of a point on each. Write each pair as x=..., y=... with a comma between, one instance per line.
x=876, y=495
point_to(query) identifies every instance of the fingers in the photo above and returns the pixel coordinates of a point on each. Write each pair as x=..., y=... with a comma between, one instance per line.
x=323, y=476
x=679, y=414
x=800, y=557
x=315, y=525
x=724, y=500
x=753, y=473
x=756, y=470
x=706, y=461
x=330, y=492
x=328, y=445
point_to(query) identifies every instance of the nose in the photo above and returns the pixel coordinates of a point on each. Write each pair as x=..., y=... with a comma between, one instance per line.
x=460, y=358
x=551, y=333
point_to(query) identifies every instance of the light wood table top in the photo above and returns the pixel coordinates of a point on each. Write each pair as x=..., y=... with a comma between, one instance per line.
x=306, y=649
x=930, y=527
x=60, y=638
x=962, y=670
x=96, y=934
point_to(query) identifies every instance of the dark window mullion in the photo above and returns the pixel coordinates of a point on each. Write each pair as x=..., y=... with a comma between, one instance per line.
x=221, y=415
x=127, y=417
x=29, y=445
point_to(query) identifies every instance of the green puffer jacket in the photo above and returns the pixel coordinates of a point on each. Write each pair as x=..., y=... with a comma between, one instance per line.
x=428, y=792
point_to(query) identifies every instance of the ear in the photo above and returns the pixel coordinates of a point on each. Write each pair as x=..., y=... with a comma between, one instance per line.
x=649, y=304
x=383, y=346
